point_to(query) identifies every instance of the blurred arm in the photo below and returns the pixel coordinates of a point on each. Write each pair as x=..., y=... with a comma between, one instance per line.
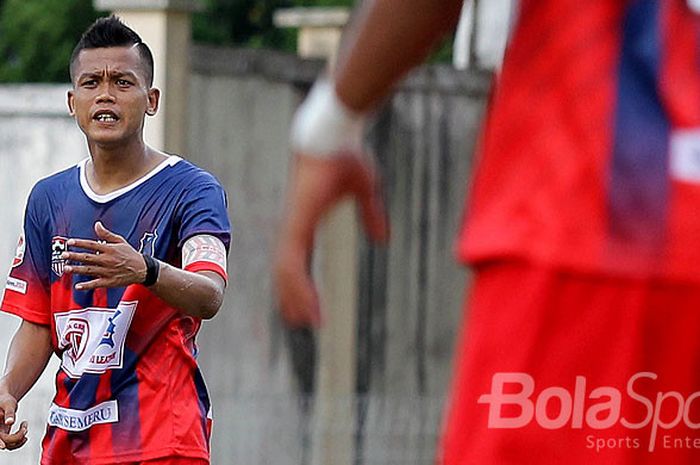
x=386, y=40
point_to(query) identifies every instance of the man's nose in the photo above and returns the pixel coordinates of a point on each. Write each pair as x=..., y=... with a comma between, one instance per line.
x=105, y=93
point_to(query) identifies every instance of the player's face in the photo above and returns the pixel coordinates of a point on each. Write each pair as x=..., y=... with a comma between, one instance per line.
x=111, y=96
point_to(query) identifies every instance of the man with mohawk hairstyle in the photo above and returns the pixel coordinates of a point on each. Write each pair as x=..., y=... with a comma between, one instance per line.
x=121, y=258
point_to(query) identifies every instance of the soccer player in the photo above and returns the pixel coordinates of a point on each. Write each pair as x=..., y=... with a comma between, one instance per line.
x=582, y=343
x=121, y=259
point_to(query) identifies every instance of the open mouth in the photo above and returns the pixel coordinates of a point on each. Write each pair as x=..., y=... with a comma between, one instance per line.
x=105, y=116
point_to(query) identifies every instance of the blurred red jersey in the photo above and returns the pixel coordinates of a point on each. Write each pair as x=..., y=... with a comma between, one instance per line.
x=590, y=159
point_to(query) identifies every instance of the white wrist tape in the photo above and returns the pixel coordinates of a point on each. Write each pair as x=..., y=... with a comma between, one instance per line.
x=694, y=5
x=324, y=127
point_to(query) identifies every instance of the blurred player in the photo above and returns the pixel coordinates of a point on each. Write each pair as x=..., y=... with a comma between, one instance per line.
x=582, y=343
x=121, y=258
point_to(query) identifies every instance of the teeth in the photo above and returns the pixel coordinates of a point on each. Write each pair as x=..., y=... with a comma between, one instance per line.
x=106, y=118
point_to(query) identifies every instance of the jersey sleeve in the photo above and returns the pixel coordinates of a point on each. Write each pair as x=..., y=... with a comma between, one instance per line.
x=204, y=213
x=27, y=290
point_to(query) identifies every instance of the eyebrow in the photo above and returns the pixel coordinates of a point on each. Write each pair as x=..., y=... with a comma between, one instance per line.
x=118, y=74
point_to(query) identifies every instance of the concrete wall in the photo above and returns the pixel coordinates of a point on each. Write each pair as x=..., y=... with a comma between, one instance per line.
x=241, y=104
x=37, y=138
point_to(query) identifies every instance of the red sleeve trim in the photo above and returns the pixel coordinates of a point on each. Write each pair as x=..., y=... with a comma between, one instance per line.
x=32, y=316
x=207, y=266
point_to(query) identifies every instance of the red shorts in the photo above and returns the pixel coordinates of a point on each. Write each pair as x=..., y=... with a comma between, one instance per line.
x=172, y=461
x=561, y=368
x=168, y=461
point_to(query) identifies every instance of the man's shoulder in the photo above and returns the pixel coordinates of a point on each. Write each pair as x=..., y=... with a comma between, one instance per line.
x=57, y=181
x=194, y=175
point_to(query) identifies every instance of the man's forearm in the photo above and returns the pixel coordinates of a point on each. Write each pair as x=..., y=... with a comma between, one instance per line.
x=27, y=357
x=386, y=39
x=197, y=294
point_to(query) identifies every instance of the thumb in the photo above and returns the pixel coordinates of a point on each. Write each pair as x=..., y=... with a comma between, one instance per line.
x=106, y=234
x=9, y=407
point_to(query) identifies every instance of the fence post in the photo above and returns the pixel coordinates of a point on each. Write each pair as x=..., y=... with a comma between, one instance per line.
x=482, y=34
x=165, y=25
x=336, y=271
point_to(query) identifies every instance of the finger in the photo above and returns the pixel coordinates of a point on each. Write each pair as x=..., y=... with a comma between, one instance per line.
x=298, y=299
x=357, y=175
x=299, y=303
x=13, y=440
x=106, y=234
x=372, y=210
x=87, y=244
x=18, y=445
x=87, y=270
x=89, y=258
x=94, y=284
x=9, y=409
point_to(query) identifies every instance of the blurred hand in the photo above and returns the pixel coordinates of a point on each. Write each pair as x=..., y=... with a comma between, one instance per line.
x=318, y=184
x=112, y=262
x=8, y=409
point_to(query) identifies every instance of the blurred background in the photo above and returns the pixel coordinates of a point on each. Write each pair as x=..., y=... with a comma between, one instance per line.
x=369, y=387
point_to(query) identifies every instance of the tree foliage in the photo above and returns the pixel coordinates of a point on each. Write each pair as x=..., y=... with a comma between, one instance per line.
x=249, y=22
x=38, y=36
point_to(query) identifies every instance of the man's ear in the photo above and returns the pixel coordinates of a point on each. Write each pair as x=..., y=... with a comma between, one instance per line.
x=71, y=104
x=153, y=101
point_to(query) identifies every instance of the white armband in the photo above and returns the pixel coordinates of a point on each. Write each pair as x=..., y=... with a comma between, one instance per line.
x=324, y=127
x=204, y=252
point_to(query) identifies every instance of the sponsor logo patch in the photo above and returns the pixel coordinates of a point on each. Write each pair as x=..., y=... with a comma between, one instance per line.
x=147, y=243
x=80, y=420
x=16, y=285
x=92, y=339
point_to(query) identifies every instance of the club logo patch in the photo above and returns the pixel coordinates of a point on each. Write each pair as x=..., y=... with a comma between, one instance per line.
x=19, y=253
x=92, y=339
x=148, y=242
x=58, y=246
x=76, y=335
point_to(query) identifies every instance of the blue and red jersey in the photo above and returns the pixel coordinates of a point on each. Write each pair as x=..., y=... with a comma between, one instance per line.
x=129, y=388
x=590, y=158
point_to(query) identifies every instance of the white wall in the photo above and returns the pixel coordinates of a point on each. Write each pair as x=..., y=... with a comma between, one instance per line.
x=37, y=138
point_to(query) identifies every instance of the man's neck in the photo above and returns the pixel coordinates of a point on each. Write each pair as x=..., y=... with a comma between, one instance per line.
x=110, y=169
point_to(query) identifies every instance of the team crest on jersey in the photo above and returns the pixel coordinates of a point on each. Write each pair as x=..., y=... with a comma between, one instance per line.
x=75, y=337
x=92, y=339
x=58, y=246
x=148, y=242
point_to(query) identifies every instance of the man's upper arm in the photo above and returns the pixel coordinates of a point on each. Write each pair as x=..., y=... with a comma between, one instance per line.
x=205, y=231
x=27, y=291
